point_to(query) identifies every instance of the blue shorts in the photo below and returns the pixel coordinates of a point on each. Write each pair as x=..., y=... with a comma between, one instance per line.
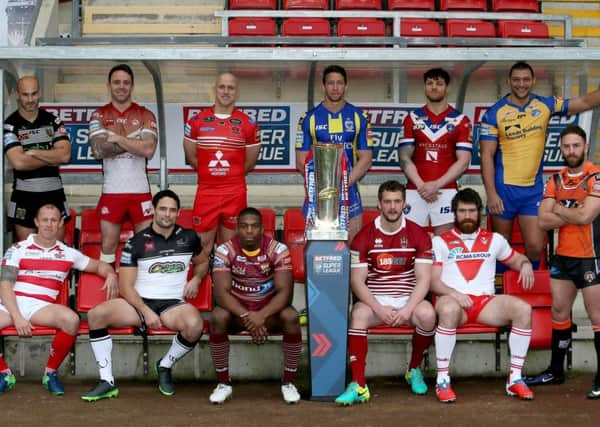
x=519, y=200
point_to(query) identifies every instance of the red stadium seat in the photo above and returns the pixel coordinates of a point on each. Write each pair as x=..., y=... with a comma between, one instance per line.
x=242, y=27
x=369, y=215
x=361, y=27
x=185, y=218
x=253, y=4
x=419, y=28
x=391, y=330
x=515, y=6
x=518, y=243
x=293, y=236
x=523, y=29
x=411, y=5
x=309, y=27
x=465, y=5
x=305, y=4
x=469, y=28
x=357, y=4
x=71, y=232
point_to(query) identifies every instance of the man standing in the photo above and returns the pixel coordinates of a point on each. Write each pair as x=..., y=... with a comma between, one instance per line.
x=253, y=283
x=572, y=204
x=513, y=136
x=335, y=121
x=391, y=271
x=122, y=135
x=153, y=283
x=32, y=275
x=434, y=151
x=35, y=143
x=463, y=278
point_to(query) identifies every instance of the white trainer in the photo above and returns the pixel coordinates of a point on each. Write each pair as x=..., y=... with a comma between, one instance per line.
x=290, y=393
x=221, y=393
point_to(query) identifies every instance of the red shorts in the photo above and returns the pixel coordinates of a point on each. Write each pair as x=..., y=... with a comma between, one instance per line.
x=479, y=303
x=213, y=209
x=116, y=208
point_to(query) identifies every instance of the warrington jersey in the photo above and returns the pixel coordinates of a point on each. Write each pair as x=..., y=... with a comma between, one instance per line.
x=521, y=136
x=576, y=240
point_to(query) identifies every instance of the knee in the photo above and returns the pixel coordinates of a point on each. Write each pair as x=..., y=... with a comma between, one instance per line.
x=359, y=317
x=425, y=317
x=447, y=309
x=219, y=319
x=69, y=321
x=97, y=317
x=523, y=314
x=289, y=320
x=193, y=327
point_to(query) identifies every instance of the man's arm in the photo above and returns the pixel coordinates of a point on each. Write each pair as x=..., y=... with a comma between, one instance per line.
x=200, y=269
x=21, y=161
x=358, y=283
x=583, y=214
x=488, y=171
x=144, y=146
x=405, y=153
x=363, y=164
x=127, y=278
x=111, y=284
x=547, y=219
x=59, y=154
x=520, y=263
x=300, y=160
x=222, y=288
x=8, y=277
x=284, y=283
x=584, y=102
x=463, y=158
x=189, y=148
x=252, y=153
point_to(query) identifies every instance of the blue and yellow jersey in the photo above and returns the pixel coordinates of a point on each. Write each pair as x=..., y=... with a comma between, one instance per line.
x=521, y=136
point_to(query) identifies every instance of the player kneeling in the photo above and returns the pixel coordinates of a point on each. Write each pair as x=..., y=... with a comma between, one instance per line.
x=463, y=278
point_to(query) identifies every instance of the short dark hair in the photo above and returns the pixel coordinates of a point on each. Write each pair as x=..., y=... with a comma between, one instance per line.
x=469, y=196
x=436, y=73
x=121, y=67
x=574, y=129
x=165, y=193
x=334, y=69
x=393, y=186
x=49, y=205
x=521, y=65
x=250, y=211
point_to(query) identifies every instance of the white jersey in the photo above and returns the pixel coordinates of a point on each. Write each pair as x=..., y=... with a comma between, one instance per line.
x=42, y=271
x=469, y=260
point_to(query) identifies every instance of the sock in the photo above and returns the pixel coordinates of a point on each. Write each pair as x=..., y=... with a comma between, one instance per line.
x=561, y=338
x=445, y=340
x=108, y=258
x=219, y=351
x=596, y=329
x=358, y=347
x=421, y=340
x=179, y=348
x=3, y=366
x=292, y=347
x=101, y=343
x=518, y=344
x=60, y=347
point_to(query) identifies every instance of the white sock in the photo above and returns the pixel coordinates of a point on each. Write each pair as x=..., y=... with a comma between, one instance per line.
x=445, y=340
x=102, y=348
x=518, y=343
x=176, y=352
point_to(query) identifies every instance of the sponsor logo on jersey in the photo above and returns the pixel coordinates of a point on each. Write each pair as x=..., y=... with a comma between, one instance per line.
x=387, y=261
x=238, y=270
x=378, y=242
x=208, y=119
x=235, y=121
x=240, y=258
x=431, y=156
x=149, y=246
x=207, y=129
x=167, y=267
x=349, y=124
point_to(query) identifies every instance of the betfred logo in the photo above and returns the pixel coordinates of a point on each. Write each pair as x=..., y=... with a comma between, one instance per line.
x=385, y=261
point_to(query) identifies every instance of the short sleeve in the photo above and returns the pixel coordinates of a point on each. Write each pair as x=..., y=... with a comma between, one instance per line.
x=10, y=138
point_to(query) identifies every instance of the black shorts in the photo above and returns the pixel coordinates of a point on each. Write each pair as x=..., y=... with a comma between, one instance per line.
x=583, y=272
x=24, y=205
x=161, y=305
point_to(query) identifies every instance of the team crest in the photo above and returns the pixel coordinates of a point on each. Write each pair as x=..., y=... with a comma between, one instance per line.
x=349, y=125
x=589, y=276
x=403, y=242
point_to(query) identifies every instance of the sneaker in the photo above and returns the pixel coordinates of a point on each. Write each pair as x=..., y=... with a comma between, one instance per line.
x=165, y=380
x=354, y=394
x=546, y=377
x=290, y=393
x=519, y=388
x=594, y=392
x=103, y=390
x=444, y=392
x=221, y=393
x=414, y=378
x=51, y=383
x=7, y=381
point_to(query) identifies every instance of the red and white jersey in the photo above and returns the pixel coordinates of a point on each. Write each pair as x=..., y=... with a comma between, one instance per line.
x=391, y=257
x=469, y=260
x=125, y=172
x=221, y=144
x=41, y=271
x=436, y=139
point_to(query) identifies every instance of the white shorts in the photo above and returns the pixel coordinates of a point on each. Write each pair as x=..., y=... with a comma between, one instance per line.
x=395, y=302
x=28, y=306
x=439, y=212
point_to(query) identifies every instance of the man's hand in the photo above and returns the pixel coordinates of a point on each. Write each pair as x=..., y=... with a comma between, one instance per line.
x=401, y=316
x=495, y=204
x=259, y=335
x=151, y=318
x=253, y=320
x=386, y=314
x=23, y=326
x=463, y=299
x=191, y=289
x=526, y=276
x=111, y=286
x=429, y=191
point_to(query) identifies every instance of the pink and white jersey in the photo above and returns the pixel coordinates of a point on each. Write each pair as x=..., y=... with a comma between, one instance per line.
x=469, y=260
x=41, y=271
x=436, y=139
x=391, y=257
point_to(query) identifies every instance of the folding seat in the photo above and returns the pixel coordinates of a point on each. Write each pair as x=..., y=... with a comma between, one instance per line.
x=411, y=5
x=418, y=27
x=306, y=27
x=305, y=4
x=252, y=4
x=268, y=219
x=252, y=27
x=469, y=28
x=515, y=6
x=358, y=4
x=71, y=232
x=361, y=27
x=523, y=29
x=465, y=5
x=294, y=225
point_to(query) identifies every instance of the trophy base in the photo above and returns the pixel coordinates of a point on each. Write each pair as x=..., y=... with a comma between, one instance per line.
x=327, y=235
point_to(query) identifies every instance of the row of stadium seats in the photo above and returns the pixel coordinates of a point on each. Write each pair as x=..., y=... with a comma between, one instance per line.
x=531, y=6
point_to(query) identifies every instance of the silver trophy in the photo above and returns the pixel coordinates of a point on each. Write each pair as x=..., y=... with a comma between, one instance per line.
x=327, y=160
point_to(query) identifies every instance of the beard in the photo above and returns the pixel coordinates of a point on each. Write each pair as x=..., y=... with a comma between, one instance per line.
x=392, y=219
x=574, y=162
x=468, y=226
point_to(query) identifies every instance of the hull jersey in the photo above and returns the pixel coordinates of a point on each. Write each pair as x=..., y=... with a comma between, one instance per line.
x=221, y=149
x=391, y=257
x=468, y=261
x=125, y=172
x=162, y=264
x=576, y=240
x=436, y=139
x=42, y=271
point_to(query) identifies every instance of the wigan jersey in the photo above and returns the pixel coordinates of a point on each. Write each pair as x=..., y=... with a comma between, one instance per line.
x=45, y=131
x=42, y=271
x=221, y=149
x=436, y=140
x=162, y=264
x=468, y=261
x=521, y=136
x=252, y=274
x=391, y=257
x=125, y=172
x=576, y=240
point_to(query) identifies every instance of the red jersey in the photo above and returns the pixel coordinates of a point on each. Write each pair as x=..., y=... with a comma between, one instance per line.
x=221, y=149
x=252, y=274
x=436, y=139
x=391, y=257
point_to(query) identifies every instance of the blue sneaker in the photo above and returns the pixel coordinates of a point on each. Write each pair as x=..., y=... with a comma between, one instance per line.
x=414, y=378
x=52, y=384
x=7, y=382
x=354, y=394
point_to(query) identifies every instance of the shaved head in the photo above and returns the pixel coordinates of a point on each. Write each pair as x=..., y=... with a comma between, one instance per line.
x=28, y=96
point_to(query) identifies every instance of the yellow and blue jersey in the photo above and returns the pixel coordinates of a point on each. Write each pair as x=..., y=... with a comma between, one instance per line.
x=521, y=136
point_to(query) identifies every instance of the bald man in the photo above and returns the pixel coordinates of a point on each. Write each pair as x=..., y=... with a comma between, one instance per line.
x=35, y=143
x=222, y=144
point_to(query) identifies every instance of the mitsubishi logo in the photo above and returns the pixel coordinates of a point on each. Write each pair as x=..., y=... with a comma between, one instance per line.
x=218, y=162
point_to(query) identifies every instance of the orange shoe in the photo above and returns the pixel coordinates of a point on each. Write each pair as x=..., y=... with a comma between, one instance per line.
x=520, y=389
x=444, y=392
